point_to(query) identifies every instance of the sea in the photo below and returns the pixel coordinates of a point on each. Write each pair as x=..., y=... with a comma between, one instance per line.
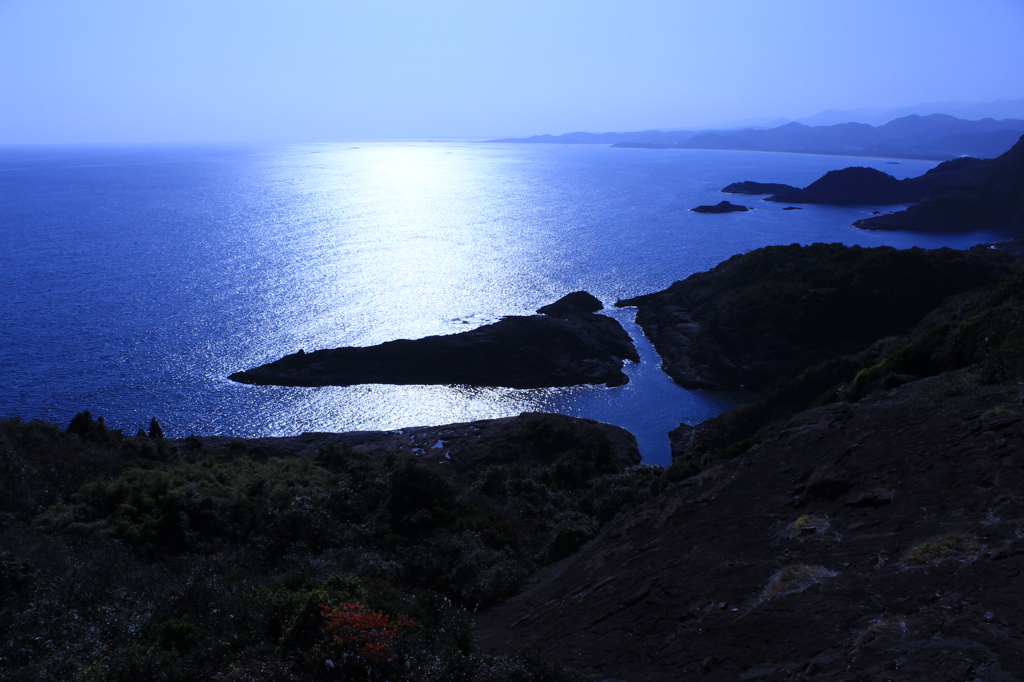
x=134, y=279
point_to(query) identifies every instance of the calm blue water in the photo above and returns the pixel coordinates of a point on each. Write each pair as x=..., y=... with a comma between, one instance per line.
x=134, y=280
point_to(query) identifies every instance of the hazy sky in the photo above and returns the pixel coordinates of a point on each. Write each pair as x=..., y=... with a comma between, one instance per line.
x=333, y=70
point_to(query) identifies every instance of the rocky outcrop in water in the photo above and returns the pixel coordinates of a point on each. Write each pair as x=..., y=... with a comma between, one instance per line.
x=750, y=187
x=567, y=345
x=720, y=207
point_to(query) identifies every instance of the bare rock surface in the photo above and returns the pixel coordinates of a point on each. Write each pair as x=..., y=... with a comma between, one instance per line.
x=880, y=540
x=567, y=345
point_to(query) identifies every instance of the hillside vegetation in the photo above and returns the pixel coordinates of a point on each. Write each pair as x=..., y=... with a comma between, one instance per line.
x=128, y=558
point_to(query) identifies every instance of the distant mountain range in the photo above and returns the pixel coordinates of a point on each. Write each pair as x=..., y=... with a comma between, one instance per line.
x=999, y=109
x=936, y=136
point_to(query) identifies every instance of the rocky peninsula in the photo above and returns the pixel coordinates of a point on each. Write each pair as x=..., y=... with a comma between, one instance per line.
x=980, y=194
x=567, y=344
x=774, y=311
x=859, y=186
x=961, y=195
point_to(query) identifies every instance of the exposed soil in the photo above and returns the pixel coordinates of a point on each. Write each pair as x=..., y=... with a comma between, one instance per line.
x=880, y=540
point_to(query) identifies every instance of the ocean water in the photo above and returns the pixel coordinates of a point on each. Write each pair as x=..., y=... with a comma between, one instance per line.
x=134, y=280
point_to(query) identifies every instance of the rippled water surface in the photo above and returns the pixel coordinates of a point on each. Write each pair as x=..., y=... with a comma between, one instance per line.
x=134, y=280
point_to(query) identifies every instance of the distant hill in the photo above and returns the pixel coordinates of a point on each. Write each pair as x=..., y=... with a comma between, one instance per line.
x=999, y=109
x=937, y=136
x=647, y=138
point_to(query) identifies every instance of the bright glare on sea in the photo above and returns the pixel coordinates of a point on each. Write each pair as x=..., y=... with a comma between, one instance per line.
x=135, y=280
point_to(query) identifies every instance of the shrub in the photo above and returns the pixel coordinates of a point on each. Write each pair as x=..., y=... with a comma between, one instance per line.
x=371, y=633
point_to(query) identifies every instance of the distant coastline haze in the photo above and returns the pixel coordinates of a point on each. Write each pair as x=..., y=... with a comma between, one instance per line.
x=113, y=71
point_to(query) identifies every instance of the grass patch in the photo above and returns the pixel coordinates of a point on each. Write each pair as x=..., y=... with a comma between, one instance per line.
x=879, y=627
x=793, y=578
x=996, y=412
x=946, y=547
x=807, y=525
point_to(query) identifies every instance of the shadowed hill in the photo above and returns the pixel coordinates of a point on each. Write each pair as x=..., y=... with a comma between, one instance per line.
x=988, y=195
x=766, y=314
x=878, y=540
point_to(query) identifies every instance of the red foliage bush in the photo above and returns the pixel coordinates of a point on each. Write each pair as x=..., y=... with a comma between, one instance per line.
x=370, y=632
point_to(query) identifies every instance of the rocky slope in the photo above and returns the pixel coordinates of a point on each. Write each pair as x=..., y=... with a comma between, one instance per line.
x=880, y=540
x=567, y=344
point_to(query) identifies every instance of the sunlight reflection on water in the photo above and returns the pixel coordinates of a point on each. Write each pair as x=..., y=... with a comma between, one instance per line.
x=166, y=276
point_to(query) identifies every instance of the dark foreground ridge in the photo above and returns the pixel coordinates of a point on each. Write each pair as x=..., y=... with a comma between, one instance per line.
x=566, y=345
x=772, y=312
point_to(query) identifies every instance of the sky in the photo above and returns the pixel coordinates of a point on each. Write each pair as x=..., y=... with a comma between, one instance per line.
x=179, y=71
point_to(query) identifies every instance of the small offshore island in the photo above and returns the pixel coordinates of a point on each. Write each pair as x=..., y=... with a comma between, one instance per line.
x=721, y=207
